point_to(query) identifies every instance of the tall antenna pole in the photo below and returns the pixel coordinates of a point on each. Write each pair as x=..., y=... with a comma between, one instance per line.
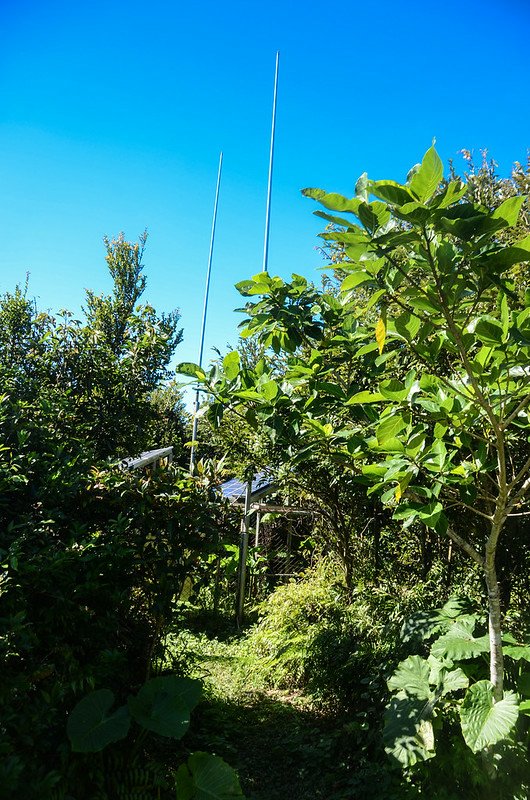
x=271, y=161
x=204, y=310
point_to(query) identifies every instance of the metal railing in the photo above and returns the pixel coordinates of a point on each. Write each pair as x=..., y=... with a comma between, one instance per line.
x=150, y=458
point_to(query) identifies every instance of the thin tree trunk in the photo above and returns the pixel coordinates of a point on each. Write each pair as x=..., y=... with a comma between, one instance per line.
x=495, y=620
x=449, y=571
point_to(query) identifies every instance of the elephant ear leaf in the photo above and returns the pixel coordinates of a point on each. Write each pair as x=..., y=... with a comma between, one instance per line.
x=408, y=734
x=163, y=704
x=412, y=676
x=459, y=642
x=484, y=721
x=91, y=726
x=207, y=777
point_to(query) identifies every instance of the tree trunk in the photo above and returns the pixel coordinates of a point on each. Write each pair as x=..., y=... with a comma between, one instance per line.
x=495, y=632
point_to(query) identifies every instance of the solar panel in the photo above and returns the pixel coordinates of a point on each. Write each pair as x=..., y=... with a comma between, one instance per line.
x=235, y=490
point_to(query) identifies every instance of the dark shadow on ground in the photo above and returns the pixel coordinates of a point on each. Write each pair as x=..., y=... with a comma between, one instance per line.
x=280, y=752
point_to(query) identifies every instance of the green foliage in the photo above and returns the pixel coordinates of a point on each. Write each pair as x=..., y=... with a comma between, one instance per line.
x=432, y=316
x=116, y=320
x=93, y=557
x=91, y=724
x=411, y=381
x=421, y=718
x=163, y=704
x=485, y=722
x=170, y=421
x=206, y=777
x=290, y=619
x=87, y=597
x=338, y=645
x=99, y=376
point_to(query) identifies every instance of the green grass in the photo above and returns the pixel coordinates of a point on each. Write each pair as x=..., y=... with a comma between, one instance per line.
x=282, y=746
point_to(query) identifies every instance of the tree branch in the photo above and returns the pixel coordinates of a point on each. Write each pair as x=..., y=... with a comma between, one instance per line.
x=519, y=407
x=465, y=546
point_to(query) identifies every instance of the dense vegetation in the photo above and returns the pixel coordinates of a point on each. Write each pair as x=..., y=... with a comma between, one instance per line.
x=94, y=557
x=391, y=407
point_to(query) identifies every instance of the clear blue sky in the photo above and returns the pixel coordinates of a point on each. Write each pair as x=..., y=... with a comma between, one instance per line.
x=112, y=116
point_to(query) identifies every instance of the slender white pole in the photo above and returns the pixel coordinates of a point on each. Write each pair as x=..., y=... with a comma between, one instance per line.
x=271, y=161
x=243, y=552
x=204, y=310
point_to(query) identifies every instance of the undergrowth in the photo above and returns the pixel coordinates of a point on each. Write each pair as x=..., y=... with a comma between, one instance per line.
x=295, y=702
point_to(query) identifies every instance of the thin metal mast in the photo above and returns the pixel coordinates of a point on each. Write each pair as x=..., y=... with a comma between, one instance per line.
x=205, y=309
x=243, y=553
x=271, y=161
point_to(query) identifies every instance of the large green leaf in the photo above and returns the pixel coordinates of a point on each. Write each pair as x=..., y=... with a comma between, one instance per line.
x=509, y=210
x=506, y=257
x=391, y=191
x=517, y=651
x=163, y=704
x=453, y=680
x=485, y=722
x=524, y=707
x=430, y=513
x=191, y=370
x=407, y=325
x=389, y=428
x=91, y=726
x=206, y=777
x=335, y=220
x=365, y=397
x=459, y=643
x=333, y=201
x=489, y=330
x=424, y=624
x=426, y=179
x=393, y=389
x=231, y=365
x=269, y=390
x=412, y=675
x=453, y=608
x=408, y=734
x=453, y=192
x=413, y=212
x=374, y=215
x=355, y=279
x=471, y=227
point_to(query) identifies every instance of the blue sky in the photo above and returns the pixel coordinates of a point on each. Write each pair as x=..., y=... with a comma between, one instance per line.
x=113, y=114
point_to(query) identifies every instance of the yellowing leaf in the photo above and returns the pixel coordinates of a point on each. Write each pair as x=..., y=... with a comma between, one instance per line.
x=380, y=333
x=398, y=492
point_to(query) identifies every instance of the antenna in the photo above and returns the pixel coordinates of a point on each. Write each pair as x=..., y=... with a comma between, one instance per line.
x=204, y=311
x=271, y=161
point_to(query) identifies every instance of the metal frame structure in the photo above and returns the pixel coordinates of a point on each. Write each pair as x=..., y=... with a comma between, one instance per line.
x=248, y=494
x=148, y=458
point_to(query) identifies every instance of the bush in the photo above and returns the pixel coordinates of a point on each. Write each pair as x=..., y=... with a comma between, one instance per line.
x=93, y=557
x=86, y=598
x=316, y=634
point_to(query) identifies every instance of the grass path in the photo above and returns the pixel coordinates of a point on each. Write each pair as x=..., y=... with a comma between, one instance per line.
x=281, y=747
